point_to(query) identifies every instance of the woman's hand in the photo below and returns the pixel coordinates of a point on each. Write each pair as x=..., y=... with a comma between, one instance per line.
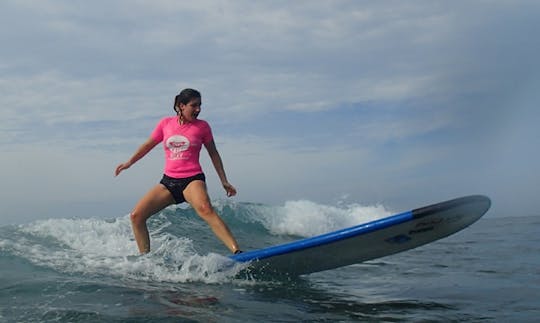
x=231, y=191
x=121, y=167
x=148, y=145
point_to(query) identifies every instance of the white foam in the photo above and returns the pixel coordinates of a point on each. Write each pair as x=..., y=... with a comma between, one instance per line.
x=99, y=247
x=306, y=218
x=89, y=236
x=107, y=247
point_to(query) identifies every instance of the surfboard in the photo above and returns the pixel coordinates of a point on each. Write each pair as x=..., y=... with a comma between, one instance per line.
x=366, y=241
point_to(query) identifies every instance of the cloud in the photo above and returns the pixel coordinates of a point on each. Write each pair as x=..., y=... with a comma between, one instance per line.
x=306, y=99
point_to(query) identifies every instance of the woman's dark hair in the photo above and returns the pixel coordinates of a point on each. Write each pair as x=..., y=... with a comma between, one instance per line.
x=185, y=97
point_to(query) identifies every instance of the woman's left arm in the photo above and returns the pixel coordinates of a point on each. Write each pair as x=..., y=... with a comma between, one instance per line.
x=218, y=165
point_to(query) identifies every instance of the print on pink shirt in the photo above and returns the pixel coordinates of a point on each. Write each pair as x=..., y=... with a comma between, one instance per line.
x=178, y=145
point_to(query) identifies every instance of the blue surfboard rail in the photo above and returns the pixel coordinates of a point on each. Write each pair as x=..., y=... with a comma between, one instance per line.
x=356, y=230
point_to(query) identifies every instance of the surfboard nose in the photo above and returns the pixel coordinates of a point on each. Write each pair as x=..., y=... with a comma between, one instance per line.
x=476, y=204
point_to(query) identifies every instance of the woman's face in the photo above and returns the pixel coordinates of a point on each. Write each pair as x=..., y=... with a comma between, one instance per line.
x=191, y=110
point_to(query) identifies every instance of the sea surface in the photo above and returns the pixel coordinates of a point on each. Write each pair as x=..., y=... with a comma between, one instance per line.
x=88, y=270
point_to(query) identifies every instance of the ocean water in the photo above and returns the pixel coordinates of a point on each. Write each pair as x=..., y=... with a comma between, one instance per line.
x=88, y=270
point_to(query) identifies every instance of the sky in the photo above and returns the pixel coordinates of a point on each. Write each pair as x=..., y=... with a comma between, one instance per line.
x=398, y=103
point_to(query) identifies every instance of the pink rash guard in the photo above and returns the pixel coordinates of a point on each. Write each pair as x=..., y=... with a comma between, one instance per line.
x=182, y=145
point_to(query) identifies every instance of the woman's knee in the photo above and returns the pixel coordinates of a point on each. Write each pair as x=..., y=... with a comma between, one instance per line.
x=205, y=210
x=137, y=218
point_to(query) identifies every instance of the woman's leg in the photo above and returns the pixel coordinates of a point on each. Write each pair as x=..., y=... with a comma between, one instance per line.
x=196, y=195
x=154, y=201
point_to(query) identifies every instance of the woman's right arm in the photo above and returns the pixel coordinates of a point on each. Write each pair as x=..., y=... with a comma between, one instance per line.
x=140, y=153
